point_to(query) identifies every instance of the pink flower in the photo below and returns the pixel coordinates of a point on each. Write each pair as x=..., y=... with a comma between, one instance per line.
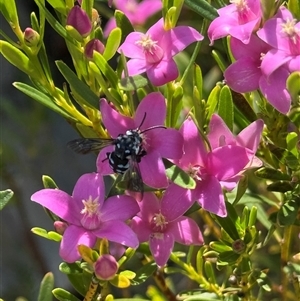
x=161, y=222
x=88, y=216
x=245, y=75
x=79, y=19
x=153, y=51
x=283, y=33
x=158, y=143
x=238, y=19
x=136, y=12
x=222, y=166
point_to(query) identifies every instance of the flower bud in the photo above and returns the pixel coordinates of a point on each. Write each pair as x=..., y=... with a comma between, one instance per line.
x=96, y=20
x=31, y=37
x=93, y=45
x=106, y=267
x=79, y=19
x=60, y=227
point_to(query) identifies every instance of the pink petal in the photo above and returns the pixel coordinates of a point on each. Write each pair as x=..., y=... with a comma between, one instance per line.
x=89, y=185
x=208, y=193
x=146, y=9
x=251, y=135
x=157, y=31
x=137, y=66
x=186, y=231
x=110, y=25
x=153, y=102
x=119, y=207
x=219, y=134
x=220, y=27
x=243, y=31
x=114, y=122
x=181, y=37
x=149, y=206
x=175, y=202
x=73, y=237
x=117, y=231
x=194, y=148
x=161, y=248
x=274, y=90
x=141, y=228
x=163, y=72
x=227, y=161
x=130, y=48
x=153, y=170
x=168, y=142
x=60, y=203
x=243, y=75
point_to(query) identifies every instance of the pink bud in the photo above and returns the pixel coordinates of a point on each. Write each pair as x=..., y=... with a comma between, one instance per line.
x=60, y=227
x=31, y=37
x=93, y=45
x=79, y=19
x=106, y=267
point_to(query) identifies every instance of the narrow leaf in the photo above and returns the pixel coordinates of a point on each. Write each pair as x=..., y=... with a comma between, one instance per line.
x=202, y=8
x=225, y=109
x=132, y=83
x=5, y=196
x=9, y=11
x=112, y=43
x=63, y=295
x=124, y=23
x=46, y=287
x=144, y=273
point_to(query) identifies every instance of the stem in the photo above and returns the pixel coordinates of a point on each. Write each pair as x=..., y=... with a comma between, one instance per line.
x=162, y=285
x=285, y=254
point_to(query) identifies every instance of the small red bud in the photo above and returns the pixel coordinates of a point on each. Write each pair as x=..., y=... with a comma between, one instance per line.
x=79, y=19
x=31, y=37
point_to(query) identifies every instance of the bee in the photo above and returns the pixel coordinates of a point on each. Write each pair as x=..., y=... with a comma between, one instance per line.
x=126, y=156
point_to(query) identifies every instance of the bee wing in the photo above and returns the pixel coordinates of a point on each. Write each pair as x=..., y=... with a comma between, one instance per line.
x=87, y=145
x=135, y=181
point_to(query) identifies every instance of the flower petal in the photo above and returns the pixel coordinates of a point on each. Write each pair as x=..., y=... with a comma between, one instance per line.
x=208, y=193
x=119, y=207
x=137, y=66
x=117, y=231
x=227, y=161
x=102, y=163
x=161, y=248
x=153, y=170
x=149, y=206
x=60, y=203
x=115, y=122
x=154, y=107
x=186, y=231
x=89, y=185
x=194, y=148
x=141, y=228
x=73, y=237
x=130, y=48
x=175, y=202
x=219, y=134
x=168, y=142
x=163, y=72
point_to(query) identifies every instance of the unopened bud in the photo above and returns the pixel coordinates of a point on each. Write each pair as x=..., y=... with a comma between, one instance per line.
x=106, y=267
x=31, y=37
x=78, y=19
x=60, y=227
x=93, y=45
x=96, y=20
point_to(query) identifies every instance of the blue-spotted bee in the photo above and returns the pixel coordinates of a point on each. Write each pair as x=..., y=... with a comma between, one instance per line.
x=126, y=156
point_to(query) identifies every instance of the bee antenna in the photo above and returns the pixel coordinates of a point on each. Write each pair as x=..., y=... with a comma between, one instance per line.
x=142, y=121
x=154, y=127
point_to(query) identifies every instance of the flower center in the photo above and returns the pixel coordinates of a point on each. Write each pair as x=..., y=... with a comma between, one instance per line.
x=194, y=172
x=91, y=213
x=241, y=5
x=290, y=30
x=153, y=53
x=159, y=222
x=131, y=6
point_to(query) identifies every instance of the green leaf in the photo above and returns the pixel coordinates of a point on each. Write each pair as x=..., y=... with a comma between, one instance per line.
x=284, y=156
x=271, y=174
x=78, y=86
x=292, y=141
x=225, y=108
x=9, y=11
x=58, y=5
x=106, y=70
x=219, y=246
x=133, y=83
x=42, y=98
x=43, y=233
x=241, y=189
x=46, y=287
x=178, y=176
x=120, y=281
x=212, y=101
x=144, y=273
x=70, y=268
x=17, y=58
x=229, y=257
x=124, y=23
x=203, y=8
x=242, y=106
x=48, y=182
x=63, y=295
x=280, y=186
x=112, y=43
x=5, y=196
x=294, y=7
x=288, y=213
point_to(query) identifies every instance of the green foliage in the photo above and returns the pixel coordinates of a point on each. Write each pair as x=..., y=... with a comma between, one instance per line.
x=5, y=196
